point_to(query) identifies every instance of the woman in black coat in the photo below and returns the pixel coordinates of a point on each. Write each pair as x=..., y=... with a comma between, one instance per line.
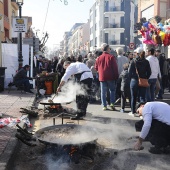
x=142, y=66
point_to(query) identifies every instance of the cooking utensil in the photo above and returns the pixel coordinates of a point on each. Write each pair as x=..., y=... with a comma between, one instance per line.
x=66, y=134
x=51, y=100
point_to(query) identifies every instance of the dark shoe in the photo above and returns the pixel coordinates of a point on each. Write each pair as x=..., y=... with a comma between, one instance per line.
x=155, y=150
x=76, y=118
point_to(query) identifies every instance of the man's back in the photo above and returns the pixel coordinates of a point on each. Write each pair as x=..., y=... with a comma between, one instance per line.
x=154, y=64
x=157, y=110
x=107, y=67
x=22, y=73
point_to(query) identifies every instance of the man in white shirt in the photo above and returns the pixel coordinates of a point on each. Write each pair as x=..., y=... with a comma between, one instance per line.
x=155, y=126
x=83, y=76
x=155, y=71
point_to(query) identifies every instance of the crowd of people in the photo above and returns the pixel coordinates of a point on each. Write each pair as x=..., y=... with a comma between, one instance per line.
x=115, y=77
x=139, y=77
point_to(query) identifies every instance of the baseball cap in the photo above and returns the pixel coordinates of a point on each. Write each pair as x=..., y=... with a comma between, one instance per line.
x=138, y=50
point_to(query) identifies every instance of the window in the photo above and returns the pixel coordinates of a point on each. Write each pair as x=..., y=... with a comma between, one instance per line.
x=91, y=30
x=91, y=43
x=95, y=27
x=95, y=41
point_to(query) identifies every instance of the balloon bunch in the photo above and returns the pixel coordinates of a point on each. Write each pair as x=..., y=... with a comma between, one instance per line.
x=154, y=33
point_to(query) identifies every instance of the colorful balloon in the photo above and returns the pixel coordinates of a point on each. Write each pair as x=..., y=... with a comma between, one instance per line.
x=162, y=35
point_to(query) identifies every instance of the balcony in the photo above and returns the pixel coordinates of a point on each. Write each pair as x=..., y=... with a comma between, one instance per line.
x=108, y=25
x=114, y=42
x=113, y=10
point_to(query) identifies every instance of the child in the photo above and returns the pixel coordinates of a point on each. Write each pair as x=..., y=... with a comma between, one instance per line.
x=125, y=87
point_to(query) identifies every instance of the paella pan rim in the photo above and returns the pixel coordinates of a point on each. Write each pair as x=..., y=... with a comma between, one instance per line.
x=91, y=130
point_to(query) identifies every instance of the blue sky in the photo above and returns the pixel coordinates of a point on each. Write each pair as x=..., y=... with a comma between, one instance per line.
x=60, y=17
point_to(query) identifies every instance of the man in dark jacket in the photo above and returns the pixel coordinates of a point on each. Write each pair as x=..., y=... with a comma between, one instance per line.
x=108, y=73
x=21, y=78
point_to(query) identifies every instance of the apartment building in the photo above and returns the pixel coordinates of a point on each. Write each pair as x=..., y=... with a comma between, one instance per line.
x=8, y=9
x=151, y=8
x=68, y=45
x=106, y=26
x=80, y=40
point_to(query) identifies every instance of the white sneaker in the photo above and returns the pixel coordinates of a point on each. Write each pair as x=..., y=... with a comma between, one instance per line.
x=131, y=114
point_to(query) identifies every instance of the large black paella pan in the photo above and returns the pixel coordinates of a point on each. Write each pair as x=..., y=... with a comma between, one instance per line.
x=67, y=134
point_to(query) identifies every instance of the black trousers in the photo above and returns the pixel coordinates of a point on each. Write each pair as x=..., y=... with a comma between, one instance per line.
x=124, y=95
x=159, y=134
x=83, y=100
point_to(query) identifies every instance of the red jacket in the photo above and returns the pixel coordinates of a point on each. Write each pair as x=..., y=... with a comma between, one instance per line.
x=106, y=66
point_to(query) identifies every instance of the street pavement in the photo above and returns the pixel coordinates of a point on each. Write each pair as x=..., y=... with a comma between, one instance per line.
x=10, y=104
x=115, y=131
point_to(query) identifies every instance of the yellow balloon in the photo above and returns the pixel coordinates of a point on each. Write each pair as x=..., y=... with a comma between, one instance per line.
x=162, y=35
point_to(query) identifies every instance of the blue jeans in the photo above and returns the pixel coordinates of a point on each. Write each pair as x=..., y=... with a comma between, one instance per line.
x=150, y=91
x=112, y=89
x=134, y=93
x=161, y=90
x=142, y=94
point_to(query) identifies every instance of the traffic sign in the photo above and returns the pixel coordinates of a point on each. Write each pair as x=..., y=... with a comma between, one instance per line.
x=131, y=46
x=20, y=24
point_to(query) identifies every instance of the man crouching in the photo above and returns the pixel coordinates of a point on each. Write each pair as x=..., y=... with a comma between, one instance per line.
x=155, y=126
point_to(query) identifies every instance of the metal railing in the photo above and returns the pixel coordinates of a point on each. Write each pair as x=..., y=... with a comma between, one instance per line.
x=113, y=9
x=114, y=42
x=109, y=25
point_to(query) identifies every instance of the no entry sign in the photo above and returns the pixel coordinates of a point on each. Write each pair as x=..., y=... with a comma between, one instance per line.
x=131, y=45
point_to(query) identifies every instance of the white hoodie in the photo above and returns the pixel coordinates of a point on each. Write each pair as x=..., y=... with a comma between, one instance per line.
x=155, y=69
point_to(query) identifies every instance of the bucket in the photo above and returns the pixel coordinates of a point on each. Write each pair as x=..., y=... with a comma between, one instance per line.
x=49, y=87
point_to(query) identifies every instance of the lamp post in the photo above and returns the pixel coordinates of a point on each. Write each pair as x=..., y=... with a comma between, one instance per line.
x=20, y=57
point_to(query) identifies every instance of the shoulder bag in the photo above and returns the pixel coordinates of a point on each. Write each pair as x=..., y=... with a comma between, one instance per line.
x=141, y=81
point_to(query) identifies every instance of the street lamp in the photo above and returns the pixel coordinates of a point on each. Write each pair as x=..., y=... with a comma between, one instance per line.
x=20, y=57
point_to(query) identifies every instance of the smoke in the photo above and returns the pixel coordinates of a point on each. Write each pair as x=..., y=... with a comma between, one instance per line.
x=57, y=164
x=68, y=92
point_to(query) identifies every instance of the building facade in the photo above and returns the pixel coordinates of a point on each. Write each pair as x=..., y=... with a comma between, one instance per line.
x=151, y=8
x=106, y=24
x=8, y=9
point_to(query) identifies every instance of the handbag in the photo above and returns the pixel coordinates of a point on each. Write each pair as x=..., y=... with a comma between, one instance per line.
x=141, y=81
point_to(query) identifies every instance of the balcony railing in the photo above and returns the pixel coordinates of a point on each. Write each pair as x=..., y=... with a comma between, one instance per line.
x=108, y=25
x=114, y=42
x=113, y=9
